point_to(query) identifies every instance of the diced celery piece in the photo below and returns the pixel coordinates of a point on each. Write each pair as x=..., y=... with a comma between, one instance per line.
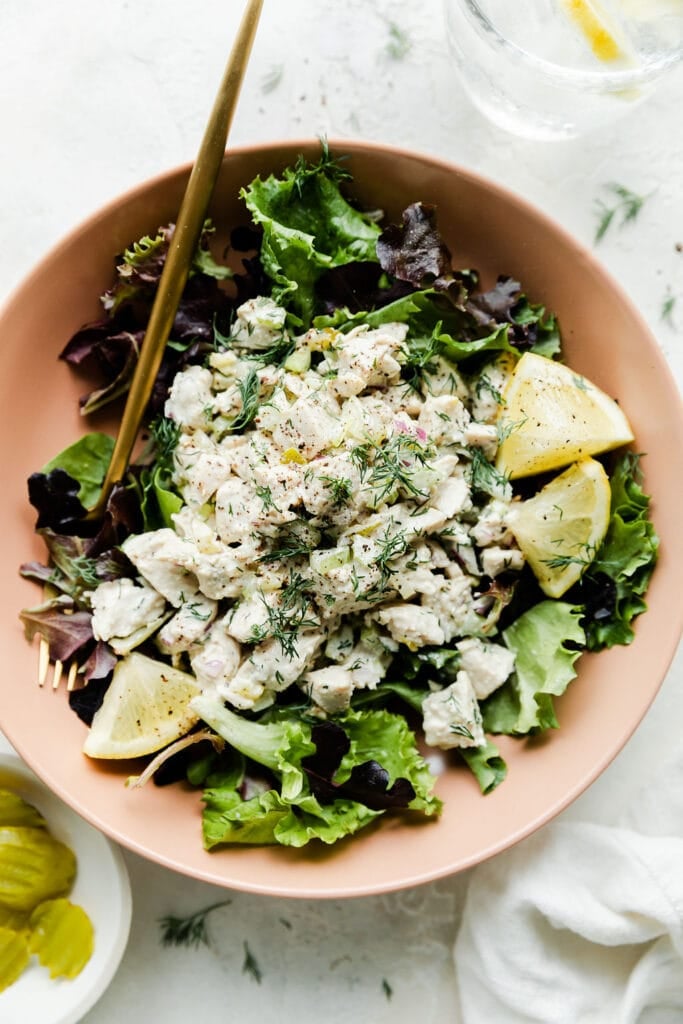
x=324, y=562
x=299, y=361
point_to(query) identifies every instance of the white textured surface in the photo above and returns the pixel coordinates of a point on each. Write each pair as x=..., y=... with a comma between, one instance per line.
x=97, y=96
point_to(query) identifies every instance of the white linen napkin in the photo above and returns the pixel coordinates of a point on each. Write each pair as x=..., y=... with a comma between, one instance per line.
x=581, y=923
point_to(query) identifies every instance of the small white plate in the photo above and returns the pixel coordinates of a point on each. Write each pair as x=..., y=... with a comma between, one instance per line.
x=102, y=888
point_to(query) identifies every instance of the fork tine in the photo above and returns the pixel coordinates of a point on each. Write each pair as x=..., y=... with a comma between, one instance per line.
x=71, y=677
x=57, y=674
x=44, y=667
x=43, y=661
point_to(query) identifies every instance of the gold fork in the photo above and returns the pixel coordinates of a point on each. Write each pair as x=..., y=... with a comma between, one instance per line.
x=58, y=668
x=188, y=228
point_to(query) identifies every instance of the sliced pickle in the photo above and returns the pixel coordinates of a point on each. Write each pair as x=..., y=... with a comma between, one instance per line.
x=14, y=956
x=62, y=936
x=17, y=920
x=14, y=810
x=33, y=867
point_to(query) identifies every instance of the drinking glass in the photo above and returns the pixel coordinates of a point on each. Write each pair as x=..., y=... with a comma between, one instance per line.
x=554, y=69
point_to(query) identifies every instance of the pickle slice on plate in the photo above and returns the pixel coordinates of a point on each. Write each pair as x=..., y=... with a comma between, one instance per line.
x=14, y=810
x=62, y=936
x=14, y=956
x=33, y=867
x=16, y=920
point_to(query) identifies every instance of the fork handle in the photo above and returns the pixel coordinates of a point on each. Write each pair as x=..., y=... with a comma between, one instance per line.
x=182, y=247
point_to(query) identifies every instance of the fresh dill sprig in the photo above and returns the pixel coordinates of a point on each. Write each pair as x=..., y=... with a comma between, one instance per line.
x=327, y=165
x=266, y=496
x=275, y=355
x=165, y=434
x=392, y=466
x=562, y=561
x=392, y=546
x=249, y=390
x=484, y=385
x=484, y=476
x=84, y=569
x=290, y=544
x=340, y=488
x=626, y=204
x=250, y=965
x=288, y=617
x=462, y=730
x=419, y=359
x=188, y=931
x=505, y=429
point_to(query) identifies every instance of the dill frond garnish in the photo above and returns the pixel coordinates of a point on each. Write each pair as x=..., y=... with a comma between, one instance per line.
x=190, y=931
x=626, y=203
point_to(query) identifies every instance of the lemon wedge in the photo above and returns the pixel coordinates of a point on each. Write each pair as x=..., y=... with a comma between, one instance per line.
x=560, y=529
x=597, y=27
x=144, y=709
x=552, y=416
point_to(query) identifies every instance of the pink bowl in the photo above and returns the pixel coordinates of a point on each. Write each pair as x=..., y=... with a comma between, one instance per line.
x=604, y=337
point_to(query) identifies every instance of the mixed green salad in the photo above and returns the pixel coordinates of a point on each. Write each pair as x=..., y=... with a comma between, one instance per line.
x=323, y=553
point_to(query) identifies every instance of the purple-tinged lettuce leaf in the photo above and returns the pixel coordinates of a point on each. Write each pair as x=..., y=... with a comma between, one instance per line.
x=109, y=348
x=495, y=306
x=355, y=287
x=530, y=327
x=87, y=701
x=127, y=346
x=139, y=268
x=66, y=635
x=37, y=572
x=77, y=564
x=54, y=495
x=100, y=662
x=414, y=251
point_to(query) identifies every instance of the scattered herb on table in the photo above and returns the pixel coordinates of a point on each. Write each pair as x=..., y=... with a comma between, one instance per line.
x=250, y=965
x=625, y=205
x=188, y=931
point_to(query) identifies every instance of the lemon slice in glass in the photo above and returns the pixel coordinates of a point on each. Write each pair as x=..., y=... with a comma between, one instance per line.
x=552, y=416
x=560, y=529
x=145, y=708
x=598, y=28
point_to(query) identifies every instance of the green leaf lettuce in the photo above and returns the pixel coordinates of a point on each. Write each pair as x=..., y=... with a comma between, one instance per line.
x=546, y=640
